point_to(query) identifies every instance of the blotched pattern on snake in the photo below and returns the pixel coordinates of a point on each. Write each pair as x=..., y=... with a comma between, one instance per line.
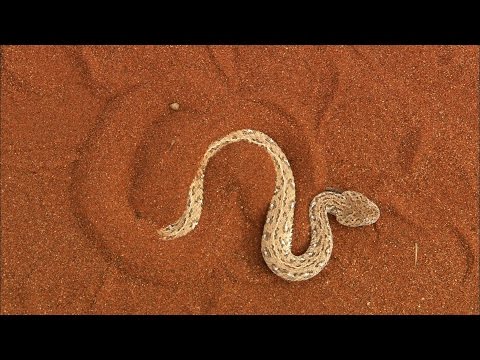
x=349, y=207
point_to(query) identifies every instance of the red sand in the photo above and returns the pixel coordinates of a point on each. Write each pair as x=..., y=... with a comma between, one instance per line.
x=93, y=160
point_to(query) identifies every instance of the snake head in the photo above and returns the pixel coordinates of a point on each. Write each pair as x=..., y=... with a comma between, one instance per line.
x=357, y=210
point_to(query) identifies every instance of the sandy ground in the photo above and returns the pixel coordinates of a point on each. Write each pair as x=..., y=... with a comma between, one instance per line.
x=93, y=160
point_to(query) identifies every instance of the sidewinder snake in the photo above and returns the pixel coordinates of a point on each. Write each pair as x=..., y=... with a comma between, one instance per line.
x=349, y=207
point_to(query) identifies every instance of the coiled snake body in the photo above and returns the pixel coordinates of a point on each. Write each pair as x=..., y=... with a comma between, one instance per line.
x=350, y=208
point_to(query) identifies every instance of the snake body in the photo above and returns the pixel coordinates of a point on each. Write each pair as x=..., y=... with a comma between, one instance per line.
x=350, y=208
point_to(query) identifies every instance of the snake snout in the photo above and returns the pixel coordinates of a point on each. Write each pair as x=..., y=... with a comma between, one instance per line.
x=357, y=210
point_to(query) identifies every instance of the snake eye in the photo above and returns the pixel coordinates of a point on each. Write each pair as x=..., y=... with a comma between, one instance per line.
x=337, y=191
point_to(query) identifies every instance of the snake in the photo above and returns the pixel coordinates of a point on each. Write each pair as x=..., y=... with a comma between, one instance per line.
x=350, y=208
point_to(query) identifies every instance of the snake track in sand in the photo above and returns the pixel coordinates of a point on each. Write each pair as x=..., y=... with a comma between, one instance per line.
x=350, y=208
